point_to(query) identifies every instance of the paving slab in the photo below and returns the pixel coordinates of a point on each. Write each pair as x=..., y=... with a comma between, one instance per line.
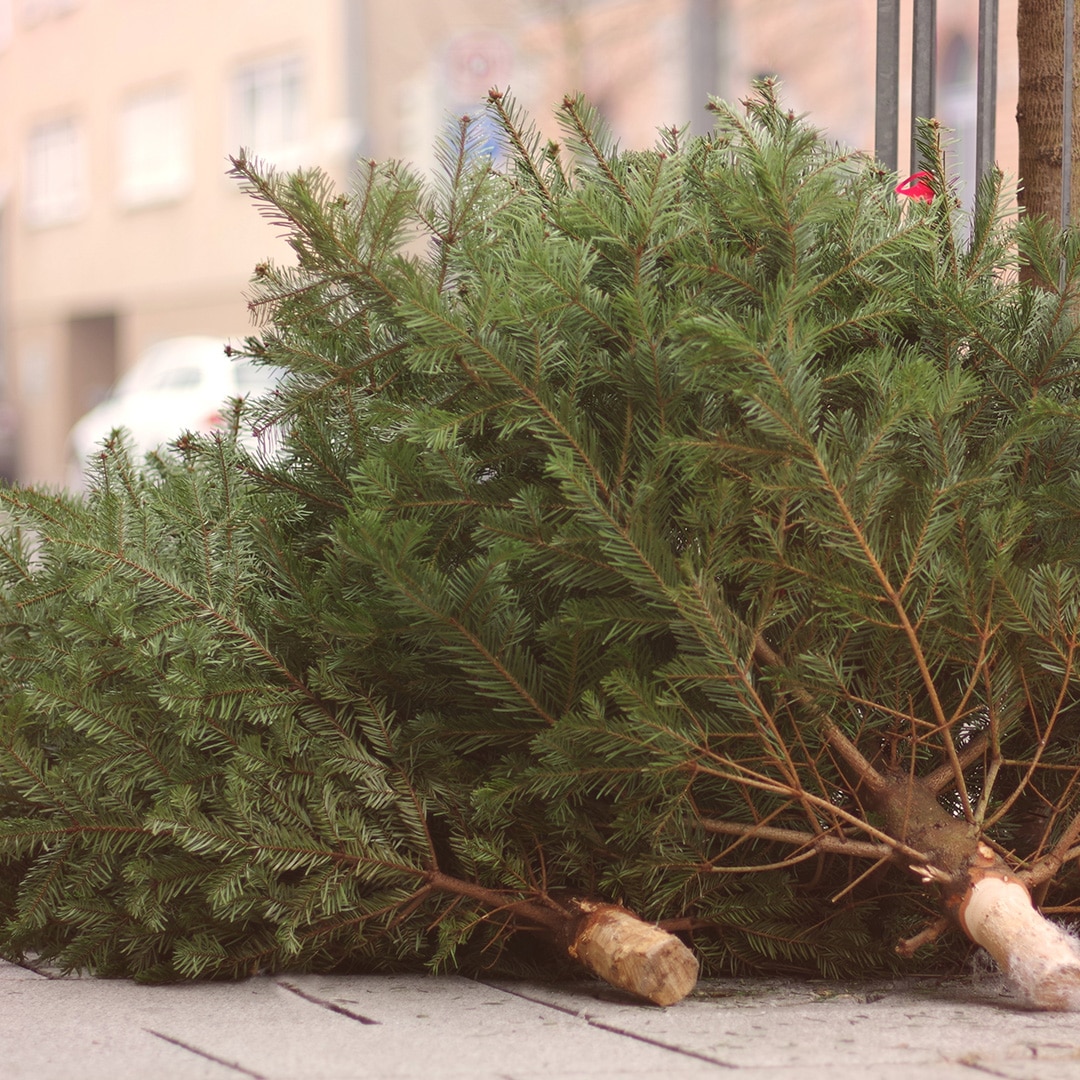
x=293, y=1028
x=400, y=1027
x=927, y=1028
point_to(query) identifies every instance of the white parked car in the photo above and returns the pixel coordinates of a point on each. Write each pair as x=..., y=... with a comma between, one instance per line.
x=177, y=385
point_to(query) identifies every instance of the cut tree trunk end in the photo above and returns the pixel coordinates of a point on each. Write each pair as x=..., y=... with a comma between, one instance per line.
x=633, y=955
x=978, y=889
x=1040, y=958
x=990, y=902
x=607, y=939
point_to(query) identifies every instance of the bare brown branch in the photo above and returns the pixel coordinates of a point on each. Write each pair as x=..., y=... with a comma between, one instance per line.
x=931, y=932
x=824, y=842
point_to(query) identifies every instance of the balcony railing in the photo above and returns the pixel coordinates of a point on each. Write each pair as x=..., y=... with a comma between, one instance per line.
x=923, y=85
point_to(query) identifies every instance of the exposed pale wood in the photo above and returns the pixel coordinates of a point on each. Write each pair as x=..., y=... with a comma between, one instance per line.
x=634, y=955
x=1040, y=958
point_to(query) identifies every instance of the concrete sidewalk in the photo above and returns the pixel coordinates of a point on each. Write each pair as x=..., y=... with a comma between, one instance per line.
x=309, y=1027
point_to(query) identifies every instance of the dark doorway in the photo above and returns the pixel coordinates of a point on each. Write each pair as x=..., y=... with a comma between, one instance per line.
x=91, y=362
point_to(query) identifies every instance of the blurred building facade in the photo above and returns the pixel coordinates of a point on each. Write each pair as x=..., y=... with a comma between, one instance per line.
x=119, y=225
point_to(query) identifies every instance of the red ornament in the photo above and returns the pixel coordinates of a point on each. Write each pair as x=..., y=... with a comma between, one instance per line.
x=916, y=187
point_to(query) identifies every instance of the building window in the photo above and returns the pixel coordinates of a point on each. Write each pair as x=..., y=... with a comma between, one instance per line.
x=7, y=23
x=35, y=11
x=55, y=173
x=268, y=105
x=155, y=148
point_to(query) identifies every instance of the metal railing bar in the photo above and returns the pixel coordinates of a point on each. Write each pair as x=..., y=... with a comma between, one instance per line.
x=923, y=69
x=986, y=88
x=887, y=87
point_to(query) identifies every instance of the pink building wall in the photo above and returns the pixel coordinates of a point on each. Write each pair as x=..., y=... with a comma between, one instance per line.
x=379, y=80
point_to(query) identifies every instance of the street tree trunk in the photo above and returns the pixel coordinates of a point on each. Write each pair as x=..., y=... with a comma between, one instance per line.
x=1039, y=112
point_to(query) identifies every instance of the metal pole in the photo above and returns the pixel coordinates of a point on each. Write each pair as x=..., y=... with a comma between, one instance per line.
x=986, y=88
x=705, y=77
x=356, y=45
x=887, y=88
x=923, y=69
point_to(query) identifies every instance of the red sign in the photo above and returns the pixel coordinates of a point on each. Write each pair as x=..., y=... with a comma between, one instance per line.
x=916, y=187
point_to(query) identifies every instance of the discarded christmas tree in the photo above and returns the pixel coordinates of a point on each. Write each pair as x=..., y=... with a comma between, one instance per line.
x=691, y=529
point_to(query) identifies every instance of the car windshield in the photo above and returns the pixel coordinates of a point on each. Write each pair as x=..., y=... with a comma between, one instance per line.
x=255, y=378
x=177, y=364
x=187, y=364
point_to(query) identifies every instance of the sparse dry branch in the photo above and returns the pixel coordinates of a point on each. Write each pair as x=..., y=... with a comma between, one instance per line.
x=821, y=842
x=909, y=946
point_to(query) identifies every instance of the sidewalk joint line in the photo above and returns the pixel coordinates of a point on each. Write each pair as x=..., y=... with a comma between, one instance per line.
x=978, y=1066
x=603, y=1026
x=28, y=965
x=323, y=1003
x=236, y=1067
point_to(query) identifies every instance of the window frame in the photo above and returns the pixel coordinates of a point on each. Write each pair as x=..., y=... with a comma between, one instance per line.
x=154, y=152
x=269, y=109
x=53, y=148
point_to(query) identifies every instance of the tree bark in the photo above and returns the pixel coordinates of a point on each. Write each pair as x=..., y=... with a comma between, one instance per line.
x=1039, y=112
x=979, y=892
x=985, y=898
x=608, y=940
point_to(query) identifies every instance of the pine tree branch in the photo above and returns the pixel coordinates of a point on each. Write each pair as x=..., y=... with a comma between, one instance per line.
x=571, y=107
x=1047, y=867
x=551, y=918
x=930, y=933
x=708, y=607
x=209, y=611
x=523, y=154
x=944, y=775
x=895, y=599
x=79, y=706
x=866, y=775
x=529, y=393
x=819, y=842
x=1064, y=694
x=744, y=777
x=414, y=592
